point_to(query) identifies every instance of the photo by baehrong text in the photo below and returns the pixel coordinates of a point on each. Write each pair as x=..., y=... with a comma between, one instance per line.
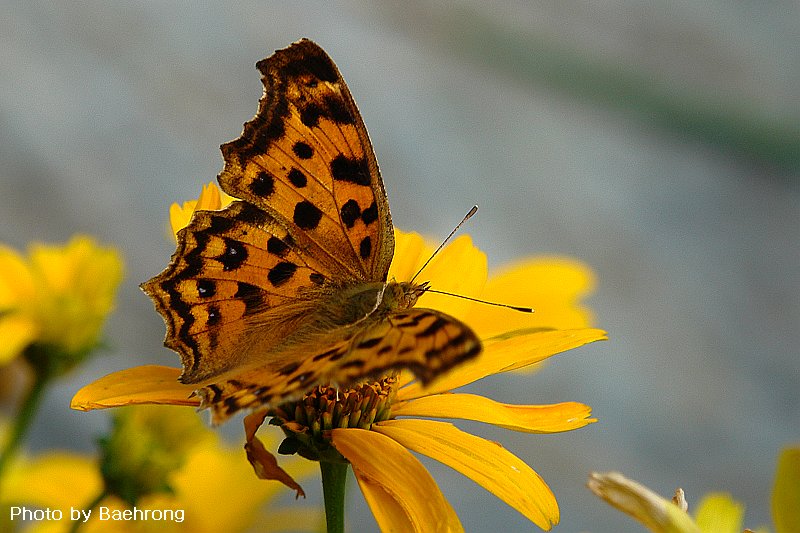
x=102, y=513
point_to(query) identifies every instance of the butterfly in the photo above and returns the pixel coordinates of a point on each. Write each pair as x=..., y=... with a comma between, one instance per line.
x=286, y=288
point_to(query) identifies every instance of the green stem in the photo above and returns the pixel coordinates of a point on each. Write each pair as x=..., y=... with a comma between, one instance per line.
x=23, y=419
x=76, y=525
x=334, y=478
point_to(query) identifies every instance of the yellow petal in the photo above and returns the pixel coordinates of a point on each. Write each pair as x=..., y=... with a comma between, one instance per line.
x=553, y=286
x=637, y=501
x=501, y=354
x=210, y=198
x=719, y=513
x=137, y=385
x=460, y=268
x=527, y=418
x=400, y=492
x=180, y=215
x=487, y=463
x=786, y=492
x=410, y=253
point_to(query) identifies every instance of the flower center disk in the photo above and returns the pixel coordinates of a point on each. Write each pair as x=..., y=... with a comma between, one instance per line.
x=307, y=423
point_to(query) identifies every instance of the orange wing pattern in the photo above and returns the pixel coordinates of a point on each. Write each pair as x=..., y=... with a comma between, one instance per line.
x=229, y=265
x=424, y=341
x=284, y=289
x=306, y=159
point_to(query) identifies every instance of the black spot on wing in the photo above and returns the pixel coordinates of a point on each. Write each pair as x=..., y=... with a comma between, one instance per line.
x=301, y=378
x=234, y=255
x=250, y=214
x=370, y=214
x=276, y=246
x=350, y=213
x=332, y=107
x=297, y=178
x=219, y=224
x=350, y=170
x=332, y=355
x=289, y=368
x=435, y=326
x=365, y=247
x=369, y=343
x=306, y=215
x=337, y=111
x=263, y=185
x=251, y=295
x=385, y=349
x=214, y=316
x=317, y=66
x=206, y=288
x=281, y=273
x=302, y=150
x=353, y=363
x=310, y=114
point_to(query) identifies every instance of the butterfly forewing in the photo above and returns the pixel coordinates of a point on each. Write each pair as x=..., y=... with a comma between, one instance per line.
x=230, y=266
x=306, y=159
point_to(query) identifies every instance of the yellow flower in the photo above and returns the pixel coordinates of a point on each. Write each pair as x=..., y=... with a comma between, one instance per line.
x=553, y=285
x=786, y=492
x=59, y=296
x=655, y=512
x=213, y=489
x=717, y=512
x=144, y=447
x=375, y=426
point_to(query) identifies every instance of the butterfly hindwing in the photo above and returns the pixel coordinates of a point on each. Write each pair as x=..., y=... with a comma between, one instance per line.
x=306, y=159
x=425, y=341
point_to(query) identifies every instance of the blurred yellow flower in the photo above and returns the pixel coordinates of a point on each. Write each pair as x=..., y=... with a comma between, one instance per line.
x=59, y=297
x=786, y=492
x=716, y=512
x=212, y=490
x=145, y=445
x=655, y=512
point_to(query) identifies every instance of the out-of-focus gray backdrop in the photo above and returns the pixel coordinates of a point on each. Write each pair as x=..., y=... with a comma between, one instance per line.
x=657, y=141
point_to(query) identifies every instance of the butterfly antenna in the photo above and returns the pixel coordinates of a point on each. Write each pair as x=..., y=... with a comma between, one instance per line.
x=513, y=307
x=428, y=289
x=463, y=220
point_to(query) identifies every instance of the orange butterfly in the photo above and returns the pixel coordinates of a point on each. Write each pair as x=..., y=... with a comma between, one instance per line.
x=286, y=288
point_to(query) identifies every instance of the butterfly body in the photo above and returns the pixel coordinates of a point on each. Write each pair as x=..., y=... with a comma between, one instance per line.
x=287, y=287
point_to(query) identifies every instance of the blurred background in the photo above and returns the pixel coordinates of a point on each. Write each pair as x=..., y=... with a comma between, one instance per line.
x=659, y=142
